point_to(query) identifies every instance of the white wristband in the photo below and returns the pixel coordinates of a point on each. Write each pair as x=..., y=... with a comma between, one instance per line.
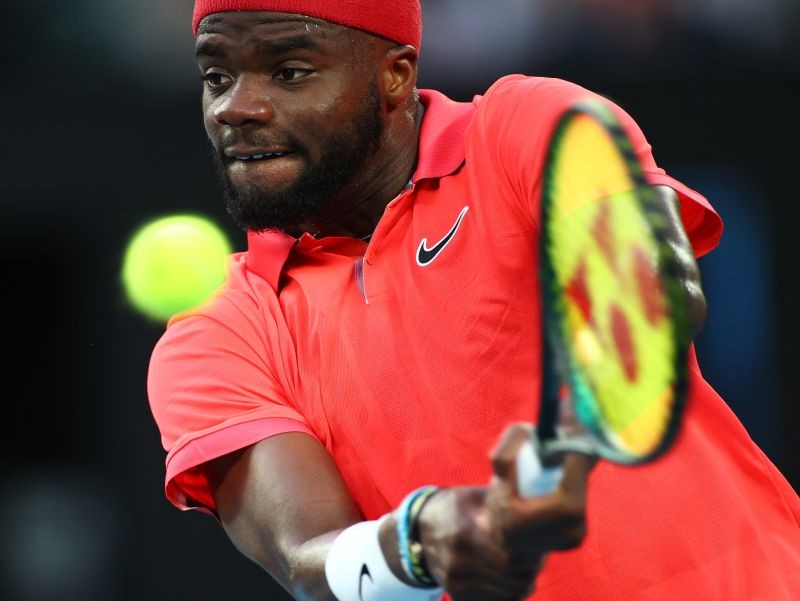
x=356, y=569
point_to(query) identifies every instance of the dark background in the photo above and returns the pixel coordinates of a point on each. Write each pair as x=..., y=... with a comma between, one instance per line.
x=102, y=131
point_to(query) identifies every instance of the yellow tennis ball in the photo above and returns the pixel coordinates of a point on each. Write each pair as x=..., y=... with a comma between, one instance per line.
x=173, y=264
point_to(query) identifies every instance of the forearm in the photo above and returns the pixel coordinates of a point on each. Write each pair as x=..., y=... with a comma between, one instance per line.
x=297, y=563
x=306, y=578
x=284, y=505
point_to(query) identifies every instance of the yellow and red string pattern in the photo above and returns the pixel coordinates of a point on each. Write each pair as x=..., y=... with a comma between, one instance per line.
x=616, y=309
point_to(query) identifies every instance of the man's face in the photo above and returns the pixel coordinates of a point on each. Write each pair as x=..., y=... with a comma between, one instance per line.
x=292, y=112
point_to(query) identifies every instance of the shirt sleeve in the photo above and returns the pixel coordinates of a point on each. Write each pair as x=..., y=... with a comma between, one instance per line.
x=702, y=223
x=521, y=112
x=214, y=389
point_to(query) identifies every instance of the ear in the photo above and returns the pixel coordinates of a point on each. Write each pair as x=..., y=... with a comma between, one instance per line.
x=399, y=74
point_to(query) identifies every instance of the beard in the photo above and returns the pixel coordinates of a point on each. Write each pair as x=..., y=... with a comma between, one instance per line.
x=257, y=207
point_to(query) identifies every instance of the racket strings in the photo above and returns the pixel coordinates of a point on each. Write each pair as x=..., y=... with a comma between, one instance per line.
x=607, y=289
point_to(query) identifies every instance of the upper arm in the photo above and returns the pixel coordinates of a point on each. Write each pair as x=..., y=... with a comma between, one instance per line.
x=216, y=385
x=689, y=272
x=240, y=447
x=282, y=501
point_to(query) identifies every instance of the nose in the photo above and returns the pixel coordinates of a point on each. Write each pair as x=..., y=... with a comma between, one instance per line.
x=246, y=102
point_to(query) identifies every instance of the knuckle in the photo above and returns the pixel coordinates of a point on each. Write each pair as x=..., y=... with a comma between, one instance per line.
x=501, y=464
x=521, y=579
x=578, y=534
x=516, y=591
x=462, y=542
x=572, y=511
x=511, y=436
x=526, y=589
x=455, y=583
x=570, y=524
x=450, y=583
x=572, y=538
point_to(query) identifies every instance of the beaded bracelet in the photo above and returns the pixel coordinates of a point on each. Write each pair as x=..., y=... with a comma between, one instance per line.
x=418, y=562
x=413, y=559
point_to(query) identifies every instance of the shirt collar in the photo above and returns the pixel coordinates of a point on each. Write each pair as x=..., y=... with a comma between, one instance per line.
x=441, y=138
x=266, y=254
x=441, y=152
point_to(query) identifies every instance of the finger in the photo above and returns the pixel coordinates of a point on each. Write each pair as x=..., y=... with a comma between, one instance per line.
x=504, y=455
x=550, y=523
x=567, y=504
x=510, y=585
x=516, y=579
x=554, y=521
x=577, y=469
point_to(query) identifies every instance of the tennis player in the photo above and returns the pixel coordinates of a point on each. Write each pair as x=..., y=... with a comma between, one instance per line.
x=350, y=406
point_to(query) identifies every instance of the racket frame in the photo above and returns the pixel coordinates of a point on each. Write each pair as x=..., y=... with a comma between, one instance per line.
x=556, y=359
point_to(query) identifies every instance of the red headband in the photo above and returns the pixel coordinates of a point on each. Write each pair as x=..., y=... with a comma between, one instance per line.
x=397, y=20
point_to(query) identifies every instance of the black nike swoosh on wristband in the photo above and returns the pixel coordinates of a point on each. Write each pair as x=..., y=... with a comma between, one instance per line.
x=425, y=255
x=364, y=572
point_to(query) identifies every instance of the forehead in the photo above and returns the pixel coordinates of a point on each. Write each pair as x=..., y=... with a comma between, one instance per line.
x=239, y=25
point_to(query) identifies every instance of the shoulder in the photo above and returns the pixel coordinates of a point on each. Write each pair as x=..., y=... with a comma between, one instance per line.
x=244, y=298
x=237, y=321
x=545, y=92
x=517, y=114
x=526, y=83
x=521, y=109
x=219, y=360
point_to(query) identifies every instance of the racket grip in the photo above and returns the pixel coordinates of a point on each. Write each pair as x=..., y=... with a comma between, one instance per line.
x=534, y=479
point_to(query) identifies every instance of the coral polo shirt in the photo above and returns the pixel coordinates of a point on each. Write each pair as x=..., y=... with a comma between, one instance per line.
x=407, y=357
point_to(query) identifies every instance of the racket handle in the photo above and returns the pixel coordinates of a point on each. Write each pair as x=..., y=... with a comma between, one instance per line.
x=534, y=479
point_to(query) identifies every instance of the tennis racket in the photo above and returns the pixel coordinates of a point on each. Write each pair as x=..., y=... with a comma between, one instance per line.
x=615, y=316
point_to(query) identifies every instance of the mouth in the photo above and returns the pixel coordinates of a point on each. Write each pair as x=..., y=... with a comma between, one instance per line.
x=260, y=156
x=273, y=167
x=241, y=153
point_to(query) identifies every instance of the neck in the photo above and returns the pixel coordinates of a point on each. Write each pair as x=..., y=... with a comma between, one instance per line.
x=362, y=204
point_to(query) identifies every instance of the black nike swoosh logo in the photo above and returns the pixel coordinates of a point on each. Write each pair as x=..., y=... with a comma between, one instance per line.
x=425, y=255
x=364, y=572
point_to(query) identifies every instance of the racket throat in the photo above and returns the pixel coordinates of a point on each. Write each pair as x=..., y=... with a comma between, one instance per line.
x=551, y=451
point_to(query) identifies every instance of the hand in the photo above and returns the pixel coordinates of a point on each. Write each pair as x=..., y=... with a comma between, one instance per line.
x=491, y=543
x=526, y=525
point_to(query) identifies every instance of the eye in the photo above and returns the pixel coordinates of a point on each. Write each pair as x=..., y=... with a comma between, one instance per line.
x=214, y=79
x=291, y=74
